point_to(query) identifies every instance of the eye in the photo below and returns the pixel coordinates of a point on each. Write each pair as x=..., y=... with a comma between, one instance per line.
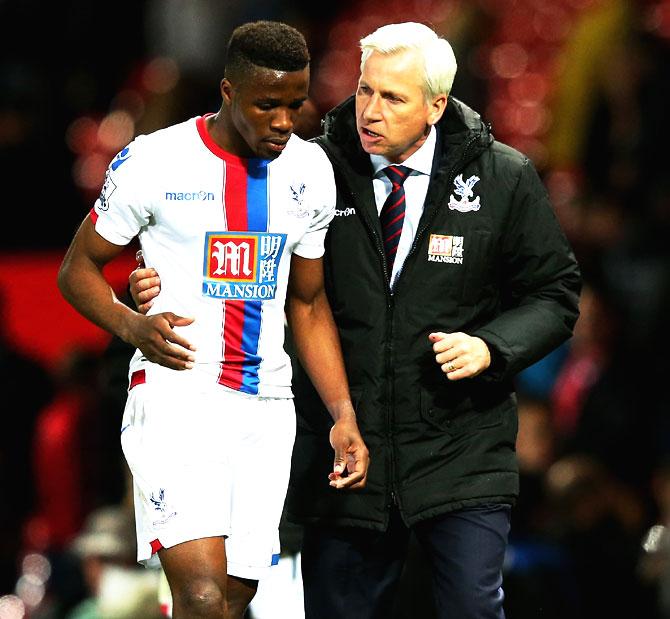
x=364, y=90
x=265, y=106
x=296, y=105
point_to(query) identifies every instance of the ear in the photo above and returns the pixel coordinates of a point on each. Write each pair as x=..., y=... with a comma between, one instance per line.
x=227, y=91
x=436, y=108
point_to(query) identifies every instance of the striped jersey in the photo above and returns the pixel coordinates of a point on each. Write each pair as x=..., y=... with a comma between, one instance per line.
x=220, y=230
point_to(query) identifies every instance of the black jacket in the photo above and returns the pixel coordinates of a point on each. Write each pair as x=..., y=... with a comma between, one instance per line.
x=506, y=275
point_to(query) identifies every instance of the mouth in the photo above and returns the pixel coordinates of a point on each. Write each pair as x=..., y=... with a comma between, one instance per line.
x=276, y=145
x=370, y=133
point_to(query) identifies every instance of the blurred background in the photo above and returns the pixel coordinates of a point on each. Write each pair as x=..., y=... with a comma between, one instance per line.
x=581, y=86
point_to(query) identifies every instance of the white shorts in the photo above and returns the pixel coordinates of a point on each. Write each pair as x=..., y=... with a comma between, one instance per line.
x=207, y=461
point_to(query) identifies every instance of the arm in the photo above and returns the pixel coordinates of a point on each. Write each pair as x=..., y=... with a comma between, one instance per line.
x=539, y=290
x=318, y=347
x=539, y=285
x=83, y=285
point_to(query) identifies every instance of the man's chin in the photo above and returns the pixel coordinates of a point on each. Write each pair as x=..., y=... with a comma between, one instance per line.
x=372, y=149
x=266, y=153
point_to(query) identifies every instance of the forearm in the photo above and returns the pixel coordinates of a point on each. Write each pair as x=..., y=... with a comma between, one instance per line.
x=318, y=347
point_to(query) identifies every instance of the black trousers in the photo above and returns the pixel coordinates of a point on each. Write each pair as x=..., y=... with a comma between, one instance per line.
x=354, y=573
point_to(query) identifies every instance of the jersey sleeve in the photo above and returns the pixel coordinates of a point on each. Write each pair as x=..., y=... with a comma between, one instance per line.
x=323, y=197
x=121, y=211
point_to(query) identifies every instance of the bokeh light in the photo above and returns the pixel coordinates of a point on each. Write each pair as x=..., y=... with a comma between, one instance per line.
x=89, y=171
x=12, y=607
x=160, y=75
x=82, y=135
x=116, y=130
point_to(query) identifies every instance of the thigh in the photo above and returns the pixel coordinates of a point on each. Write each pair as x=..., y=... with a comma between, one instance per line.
x=352, y=572
x=466, y=550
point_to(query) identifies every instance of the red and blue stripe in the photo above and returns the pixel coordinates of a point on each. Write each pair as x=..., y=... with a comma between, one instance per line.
x=246, y=208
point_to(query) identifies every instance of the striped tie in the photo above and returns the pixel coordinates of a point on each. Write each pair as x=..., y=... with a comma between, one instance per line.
x=392, y=215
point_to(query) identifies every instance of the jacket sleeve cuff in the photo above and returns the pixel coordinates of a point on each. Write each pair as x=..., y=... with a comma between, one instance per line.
x=500, y=353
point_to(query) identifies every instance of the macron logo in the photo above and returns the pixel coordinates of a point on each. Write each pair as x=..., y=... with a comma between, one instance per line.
x=189, y=195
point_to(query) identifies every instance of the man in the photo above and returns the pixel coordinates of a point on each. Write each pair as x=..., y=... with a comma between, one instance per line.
x=447, y=273
x=224, y=205
x=437, y=309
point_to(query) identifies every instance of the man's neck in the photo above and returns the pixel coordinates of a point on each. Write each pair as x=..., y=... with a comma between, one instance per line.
x=218, y=126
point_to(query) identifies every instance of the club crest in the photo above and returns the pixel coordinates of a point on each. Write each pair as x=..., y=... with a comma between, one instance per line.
x=297, y=195
x=463, y=189
x=163, y=511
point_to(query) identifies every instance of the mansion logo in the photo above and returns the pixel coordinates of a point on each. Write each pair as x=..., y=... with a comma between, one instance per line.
x=445, y=248
x=242, y=265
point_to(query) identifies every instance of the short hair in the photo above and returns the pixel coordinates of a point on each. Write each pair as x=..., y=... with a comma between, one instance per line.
x=438, y=57
x=269, y=44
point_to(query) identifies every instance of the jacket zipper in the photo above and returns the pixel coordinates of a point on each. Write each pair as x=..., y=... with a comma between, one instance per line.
x=395, y=500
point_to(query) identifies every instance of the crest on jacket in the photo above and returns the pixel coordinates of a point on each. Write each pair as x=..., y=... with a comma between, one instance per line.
x=464, y=190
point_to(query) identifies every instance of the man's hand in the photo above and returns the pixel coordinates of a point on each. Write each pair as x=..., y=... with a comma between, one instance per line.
x=155, y=337
x=145, y=284
x=350, y=467
x=460, y=355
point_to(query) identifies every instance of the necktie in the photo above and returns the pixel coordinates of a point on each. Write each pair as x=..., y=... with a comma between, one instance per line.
x=392, y=215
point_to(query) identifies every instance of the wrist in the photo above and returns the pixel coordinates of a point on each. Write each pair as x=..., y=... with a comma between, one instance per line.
x=486, y=353
x=126, y=319
x=342, y=411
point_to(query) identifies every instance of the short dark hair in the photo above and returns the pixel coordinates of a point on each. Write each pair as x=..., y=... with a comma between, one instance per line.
x=269, y=44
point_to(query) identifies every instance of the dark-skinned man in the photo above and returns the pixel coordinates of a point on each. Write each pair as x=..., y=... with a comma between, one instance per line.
x=232, y=209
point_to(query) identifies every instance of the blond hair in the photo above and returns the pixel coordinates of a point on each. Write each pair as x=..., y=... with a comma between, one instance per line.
x=438, y=57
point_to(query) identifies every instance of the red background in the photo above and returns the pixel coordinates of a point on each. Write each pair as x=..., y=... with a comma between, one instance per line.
x=35, y=316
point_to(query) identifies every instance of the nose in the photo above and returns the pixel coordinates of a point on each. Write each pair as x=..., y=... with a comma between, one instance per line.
x=372, y=109
x=282, y=121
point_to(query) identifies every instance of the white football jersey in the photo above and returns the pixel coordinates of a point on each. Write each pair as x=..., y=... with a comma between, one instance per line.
x=220, y=231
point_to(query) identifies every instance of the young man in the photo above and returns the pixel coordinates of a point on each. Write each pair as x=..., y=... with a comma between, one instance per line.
x=232, y=210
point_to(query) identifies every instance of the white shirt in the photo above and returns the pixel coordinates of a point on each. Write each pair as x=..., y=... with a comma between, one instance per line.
x=416, y=188
x=220, y=230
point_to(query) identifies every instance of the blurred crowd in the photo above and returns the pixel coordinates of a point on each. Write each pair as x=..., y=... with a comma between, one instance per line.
x=581, y=86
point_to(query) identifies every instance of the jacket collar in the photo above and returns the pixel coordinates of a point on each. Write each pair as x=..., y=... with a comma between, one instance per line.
x=461, y=137
x=459, y=124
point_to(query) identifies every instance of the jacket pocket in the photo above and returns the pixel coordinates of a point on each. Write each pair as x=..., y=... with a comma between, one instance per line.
x=461, y=277
x=458, y=414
